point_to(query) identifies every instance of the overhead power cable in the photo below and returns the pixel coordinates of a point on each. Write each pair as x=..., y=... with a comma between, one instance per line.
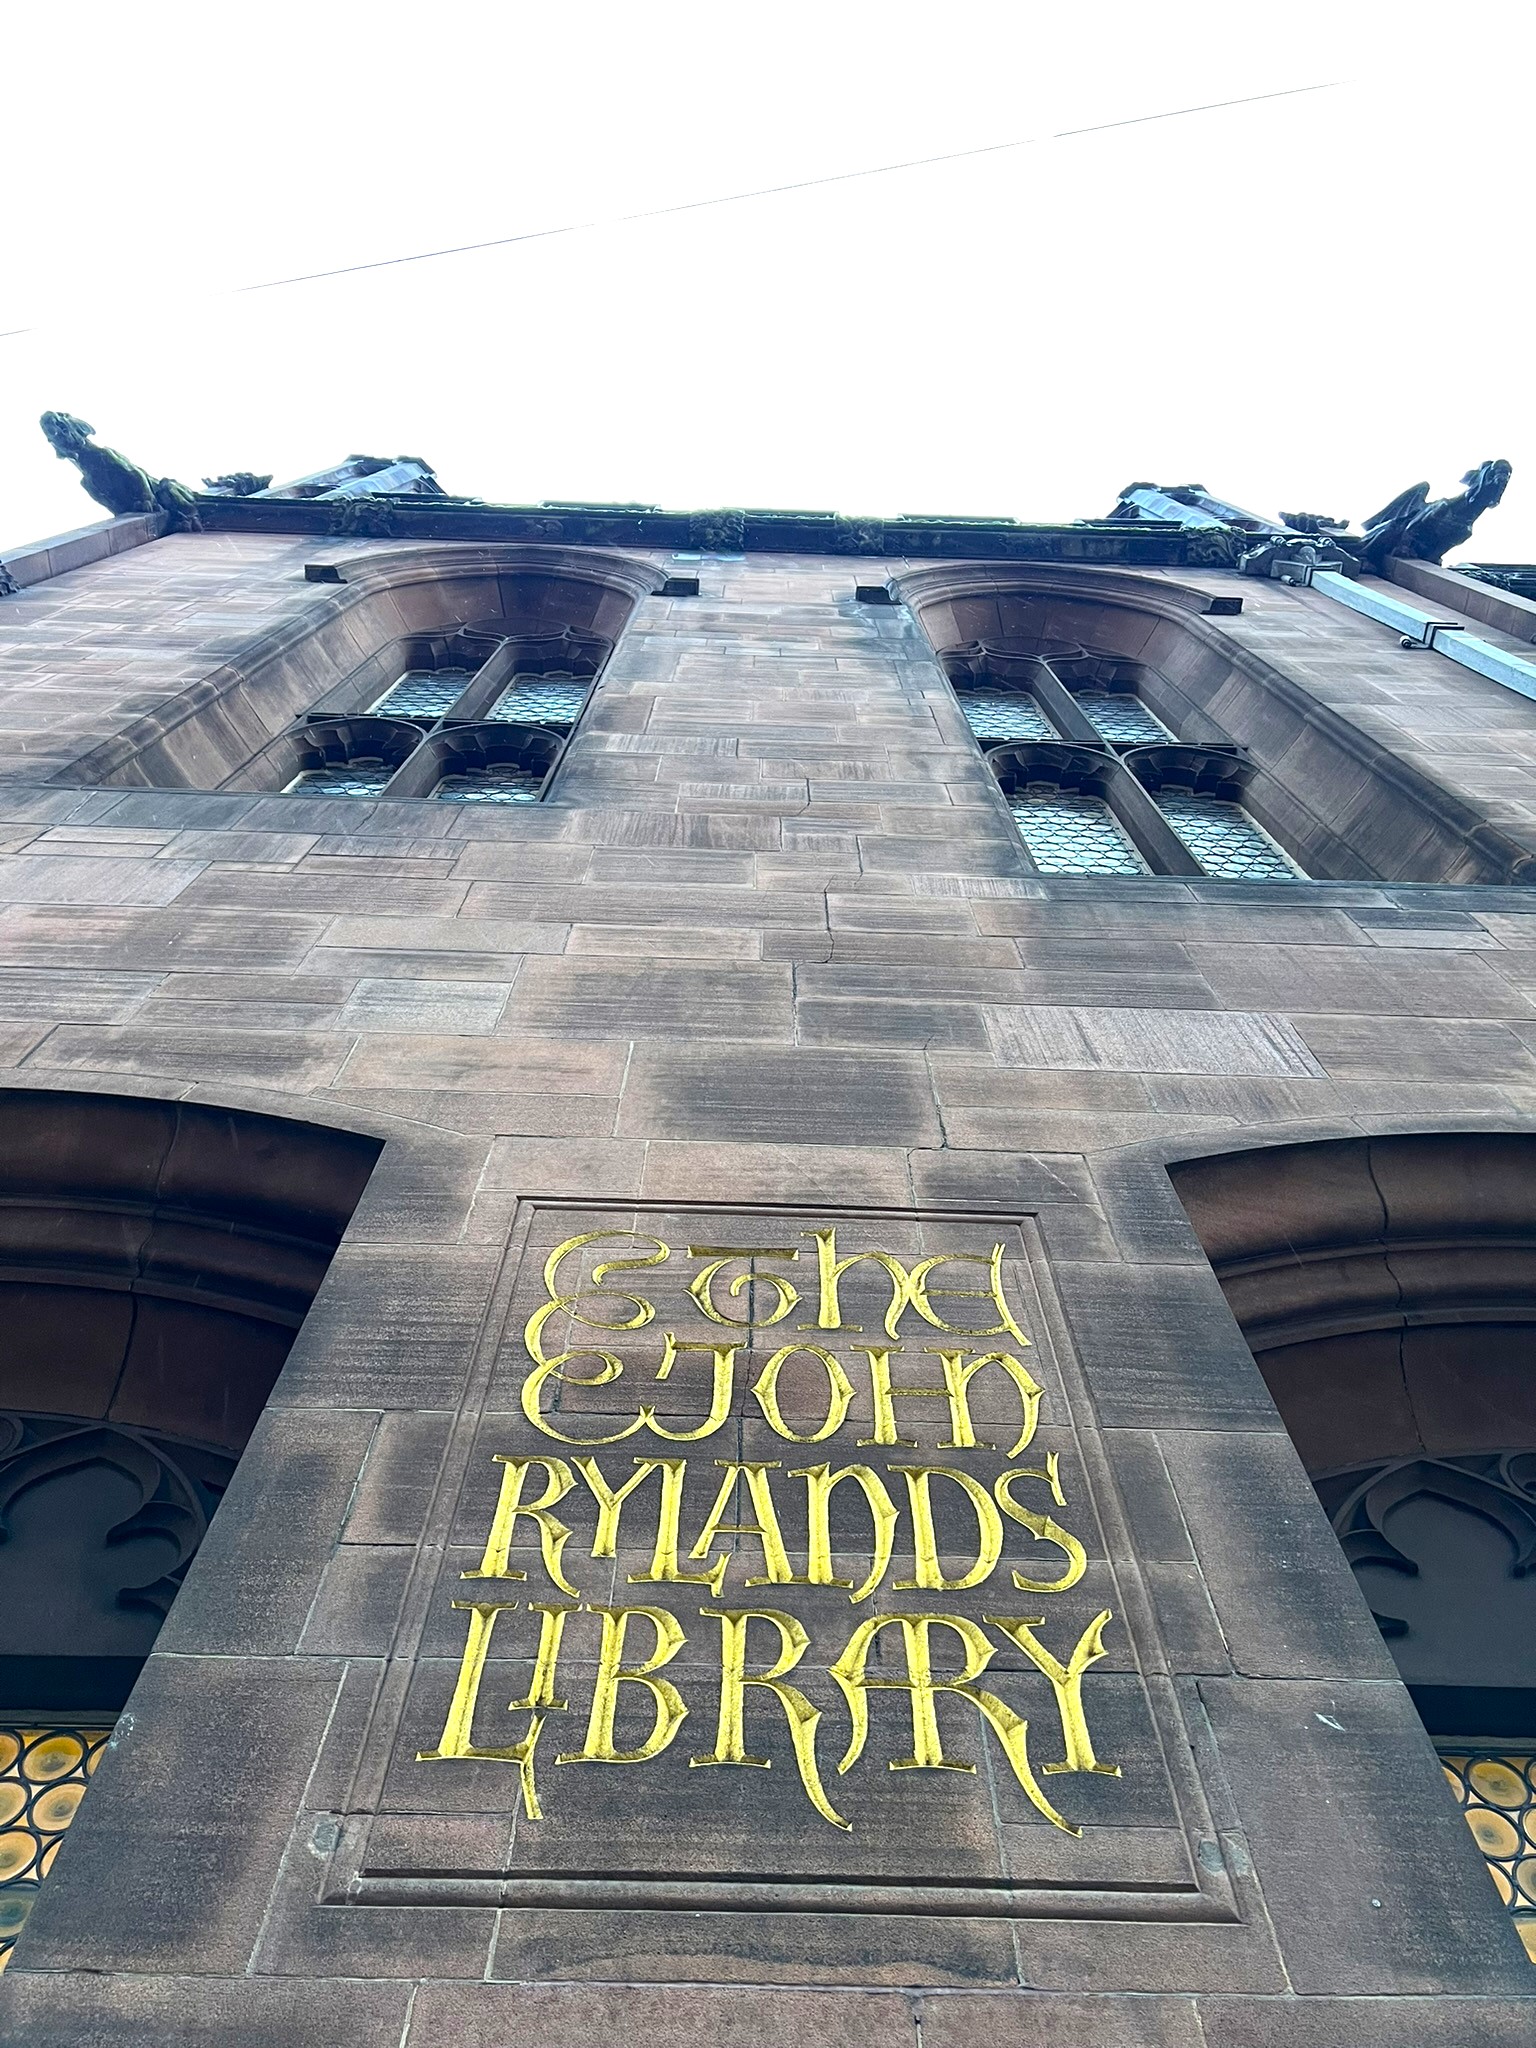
x=272, y=284
x=916, y=163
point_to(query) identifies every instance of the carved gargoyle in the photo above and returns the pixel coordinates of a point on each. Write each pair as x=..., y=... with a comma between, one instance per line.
x=240, y=483
x=115, y=482
x=1420, y=531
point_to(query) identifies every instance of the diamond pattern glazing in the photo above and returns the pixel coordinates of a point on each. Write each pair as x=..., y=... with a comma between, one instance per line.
x=1075, y=835
x=424, y=693
x=499, y=785
x=43, y=1776
x=1005, y=715
x=1497, y=1793
x=1121, y=718
x=345, y=779
x=1224, y=839
x=548, y=700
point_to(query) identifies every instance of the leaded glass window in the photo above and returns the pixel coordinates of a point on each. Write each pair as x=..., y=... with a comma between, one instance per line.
x=1224, y=839
x=43, y=1776
x=1075, y=835
x=345, y=778
x=424, y=693
x=1497, y=1793
x=1120, y=717
x=1005, y=715
x=541, y=700
x=503, y=782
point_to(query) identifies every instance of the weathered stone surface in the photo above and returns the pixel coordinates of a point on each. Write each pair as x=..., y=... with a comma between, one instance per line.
x=770, y=952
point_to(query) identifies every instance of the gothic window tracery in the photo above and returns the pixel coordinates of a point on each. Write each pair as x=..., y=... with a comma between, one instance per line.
x=1387, y=1289
x=1052, y=699
x=168, y=1252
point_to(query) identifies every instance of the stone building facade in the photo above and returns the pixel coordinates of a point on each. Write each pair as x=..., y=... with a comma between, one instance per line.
x=883, y=1173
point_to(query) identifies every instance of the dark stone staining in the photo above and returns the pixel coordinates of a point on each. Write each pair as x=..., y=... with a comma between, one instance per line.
x=158, y=1260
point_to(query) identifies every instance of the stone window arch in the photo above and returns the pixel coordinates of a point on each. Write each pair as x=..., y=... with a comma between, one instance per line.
x=156, y=1262
x=1387, y=1289
x=1201, y=791
x=434, y=637
x=1107, y=656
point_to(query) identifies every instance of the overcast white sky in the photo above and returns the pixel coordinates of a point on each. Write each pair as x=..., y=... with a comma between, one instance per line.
x=1310, y=302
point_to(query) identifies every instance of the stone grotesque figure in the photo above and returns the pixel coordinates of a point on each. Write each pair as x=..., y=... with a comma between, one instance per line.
x=111, y=479
x=240, y=483
x=1421, y=531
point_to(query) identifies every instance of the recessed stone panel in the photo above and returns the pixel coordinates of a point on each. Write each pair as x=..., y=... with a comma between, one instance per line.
x=791, y=1539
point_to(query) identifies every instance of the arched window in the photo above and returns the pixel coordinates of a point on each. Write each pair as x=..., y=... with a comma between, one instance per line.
x=442, y=637
x=1123, y=660
x=1199, y=790
x=1035, y=691
x=1387, y=1289
x=157, y=1262
x=1061, y=798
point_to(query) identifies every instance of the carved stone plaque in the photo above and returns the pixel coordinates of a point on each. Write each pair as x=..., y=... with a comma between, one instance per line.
x=779, y=1563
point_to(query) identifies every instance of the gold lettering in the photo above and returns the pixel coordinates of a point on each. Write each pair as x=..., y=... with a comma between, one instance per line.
x=919, y=1293
x=830, y=1270
x=613, y=1672
x=457, y=1739
x=610, y=1366
x=765, y=1528
x=553, y=1534
x=922, y=1689
x=989, y=1524
x=610, y=1501
x=803, y=1718
x=665, y=1569
x=1042, y=1527
x=724, y=1356
x=955, y=1390
x=839, y=1396
x=819, y=1482
x=722, y=1255
x=1066, y=1683
x=910, y=1289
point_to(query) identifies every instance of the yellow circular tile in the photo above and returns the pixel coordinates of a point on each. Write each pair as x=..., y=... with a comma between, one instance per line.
x=10, y=1748
x=1493, y=1780
x=54, y=1756
x=13, y=1801
x=1496, y=1834
x=15, y=1905
x=54, y=1809
x=17, y=1852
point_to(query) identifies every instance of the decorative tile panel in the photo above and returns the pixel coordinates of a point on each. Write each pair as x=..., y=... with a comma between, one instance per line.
x=1075, y=835
x=1225, y=840
x=1497, y=1793
x=43, y=1776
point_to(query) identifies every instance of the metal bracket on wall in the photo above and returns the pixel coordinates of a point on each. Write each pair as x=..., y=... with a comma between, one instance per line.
x=1420, y=629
